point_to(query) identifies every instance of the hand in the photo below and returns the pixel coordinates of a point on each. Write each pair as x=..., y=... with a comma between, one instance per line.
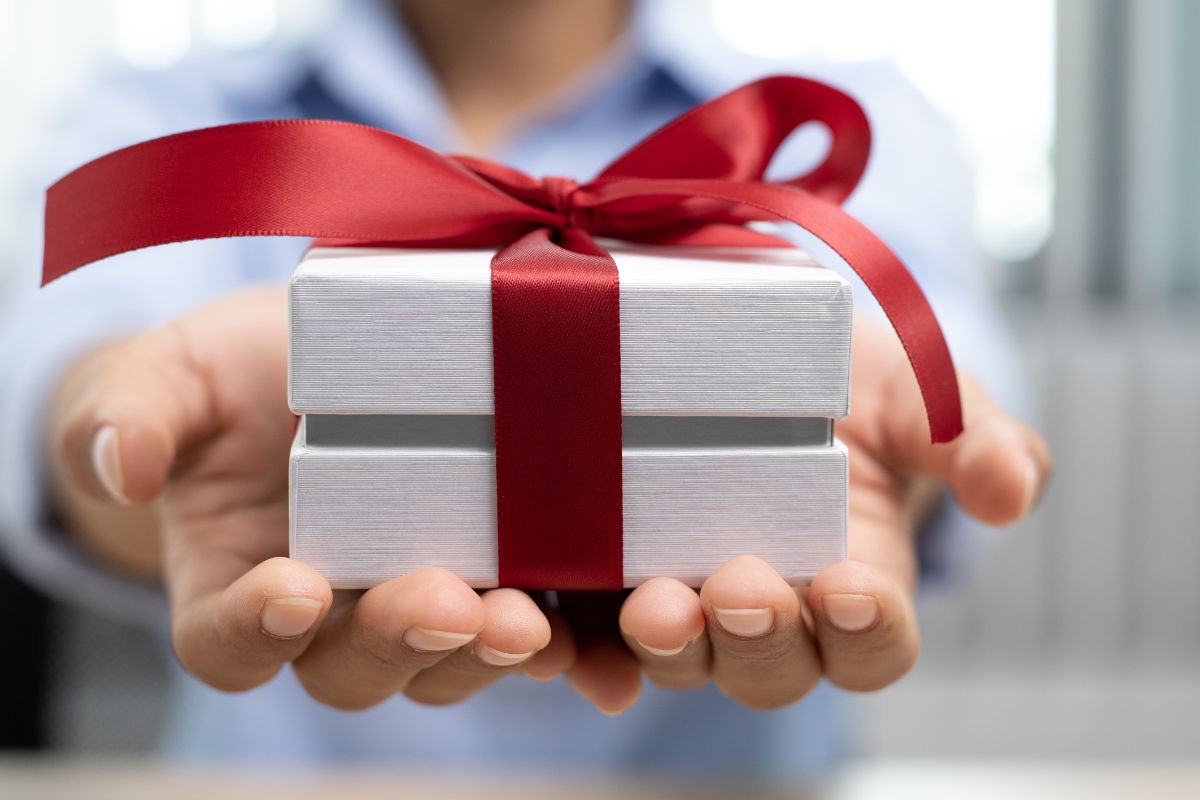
x=766, y=644
x=191, y=420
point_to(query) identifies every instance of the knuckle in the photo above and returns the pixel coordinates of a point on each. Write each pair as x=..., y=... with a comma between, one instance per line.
x=770, y=695
x=186, y=655
x=223, y=645
x=387, y=650
x=245, y=641
x=769, y=702
x=863, y=682
x=376, y=634
x=758, y=651
x=337, y=694
x=382, y=651
x=185, y=652
x=886, y=670
x=431, y=693
x=212, y=667
x=891, y=640
x=677, y=681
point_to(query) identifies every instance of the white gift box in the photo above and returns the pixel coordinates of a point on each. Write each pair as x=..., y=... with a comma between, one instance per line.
x=734, y=366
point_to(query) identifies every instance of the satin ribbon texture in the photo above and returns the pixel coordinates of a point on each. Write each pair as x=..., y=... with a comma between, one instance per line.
x=697, y=181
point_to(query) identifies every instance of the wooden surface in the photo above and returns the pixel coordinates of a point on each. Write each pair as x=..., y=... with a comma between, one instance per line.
x=54, y=779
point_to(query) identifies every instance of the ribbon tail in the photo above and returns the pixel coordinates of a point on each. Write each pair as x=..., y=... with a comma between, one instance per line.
x=307, y=178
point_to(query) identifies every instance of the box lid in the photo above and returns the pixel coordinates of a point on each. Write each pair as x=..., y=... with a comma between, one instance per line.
x=703, y=332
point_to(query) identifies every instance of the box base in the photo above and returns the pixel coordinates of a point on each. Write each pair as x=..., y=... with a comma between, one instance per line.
x=362, y=515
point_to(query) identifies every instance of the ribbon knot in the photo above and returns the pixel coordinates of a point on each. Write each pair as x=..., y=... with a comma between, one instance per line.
x=559, y=193
x=697, y=181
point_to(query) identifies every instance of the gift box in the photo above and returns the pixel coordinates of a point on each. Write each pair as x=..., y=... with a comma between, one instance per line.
x=734, y=367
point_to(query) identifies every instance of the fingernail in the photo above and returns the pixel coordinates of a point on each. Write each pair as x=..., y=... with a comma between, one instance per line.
x=289, y=617
x=499, y=658
x=851, y=613
x=746, y=622
x=106, y=460
x=435, y=641
x=662, y=651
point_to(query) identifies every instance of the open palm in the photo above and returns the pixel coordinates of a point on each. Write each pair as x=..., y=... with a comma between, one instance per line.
x=191, y=421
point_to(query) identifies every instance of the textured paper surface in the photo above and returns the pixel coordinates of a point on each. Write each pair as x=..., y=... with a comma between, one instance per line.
x=731, y=332
x=363, y=514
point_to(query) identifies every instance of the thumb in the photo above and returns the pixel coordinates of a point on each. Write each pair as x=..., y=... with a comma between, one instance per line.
x=127, y=410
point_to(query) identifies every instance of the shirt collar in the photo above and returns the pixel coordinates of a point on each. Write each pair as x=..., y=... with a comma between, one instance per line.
x=382, y=77
x=366, y=58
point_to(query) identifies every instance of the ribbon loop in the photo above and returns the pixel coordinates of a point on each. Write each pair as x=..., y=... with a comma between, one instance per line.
x=735, y=136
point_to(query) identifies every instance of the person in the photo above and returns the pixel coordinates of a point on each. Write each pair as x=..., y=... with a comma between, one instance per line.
x=146, y=433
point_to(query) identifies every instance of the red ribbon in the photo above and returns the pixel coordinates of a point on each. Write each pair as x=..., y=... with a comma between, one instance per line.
x=555, y=321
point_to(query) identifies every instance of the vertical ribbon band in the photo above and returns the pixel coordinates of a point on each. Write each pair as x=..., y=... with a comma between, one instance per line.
x=556, y=353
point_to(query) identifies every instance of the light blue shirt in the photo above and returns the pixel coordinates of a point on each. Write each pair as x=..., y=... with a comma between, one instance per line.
x=363, y=67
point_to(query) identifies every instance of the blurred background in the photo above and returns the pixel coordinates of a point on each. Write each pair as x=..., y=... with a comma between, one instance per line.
x=1081, y=119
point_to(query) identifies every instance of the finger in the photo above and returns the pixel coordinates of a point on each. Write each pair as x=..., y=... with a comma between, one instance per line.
x=865, y=625
x=607, y=674
x=370, y=649
x=604, y=671
x=238, y=637
x=763, y=656
x=556, y=657
x=514, y=629
x=997, y=468
x=663, y=625
x=125, y=413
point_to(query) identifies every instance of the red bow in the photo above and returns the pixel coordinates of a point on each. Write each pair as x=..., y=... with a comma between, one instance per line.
x=556, y=340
